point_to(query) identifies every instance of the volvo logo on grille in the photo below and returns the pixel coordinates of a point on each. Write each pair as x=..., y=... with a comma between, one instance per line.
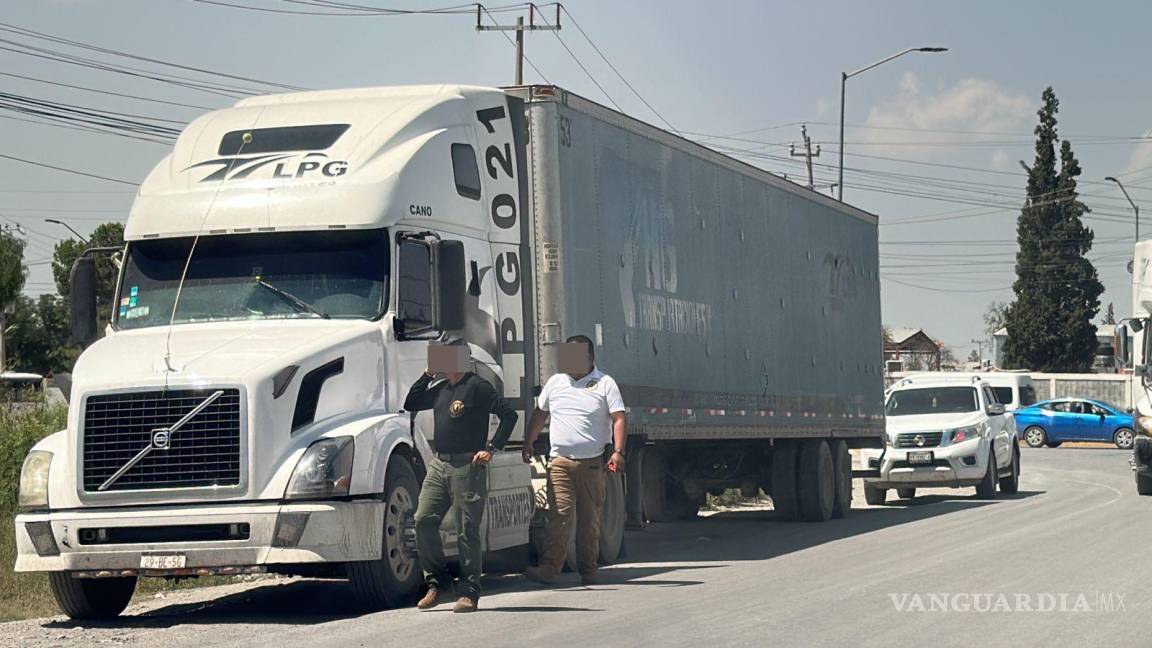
x=919, y=440
x=161, y=439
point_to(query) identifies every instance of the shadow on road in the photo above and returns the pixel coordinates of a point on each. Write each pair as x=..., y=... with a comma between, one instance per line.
x=655, y=557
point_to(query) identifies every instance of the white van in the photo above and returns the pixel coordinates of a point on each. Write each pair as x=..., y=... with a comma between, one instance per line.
x=1012, y=390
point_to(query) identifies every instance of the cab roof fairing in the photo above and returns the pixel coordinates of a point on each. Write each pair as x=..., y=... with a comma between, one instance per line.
x=391, y=130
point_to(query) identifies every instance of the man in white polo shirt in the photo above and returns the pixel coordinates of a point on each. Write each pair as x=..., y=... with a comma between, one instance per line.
x=585, y=416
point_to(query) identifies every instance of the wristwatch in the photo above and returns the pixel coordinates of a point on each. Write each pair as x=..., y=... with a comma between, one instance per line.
x=619, y=451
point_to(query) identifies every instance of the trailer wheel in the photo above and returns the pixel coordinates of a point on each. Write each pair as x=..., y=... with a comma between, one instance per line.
x=395, y=577
x=875, y=496
x=91, y=598
x=612, y=526
x=784, y=458
x=654, y=484
x=816, y=491
x=842, y=465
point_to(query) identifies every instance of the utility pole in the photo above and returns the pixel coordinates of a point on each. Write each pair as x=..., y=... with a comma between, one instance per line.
x=807, y=154
x=519, y=28
x=980, y=350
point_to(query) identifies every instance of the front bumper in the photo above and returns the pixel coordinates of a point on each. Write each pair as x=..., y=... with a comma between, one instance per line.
x=954, y=466
x=331, y=532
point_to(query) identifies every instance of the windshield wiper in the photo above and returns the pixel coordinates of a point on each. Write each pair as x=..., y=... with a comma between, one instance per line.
x=292, y=299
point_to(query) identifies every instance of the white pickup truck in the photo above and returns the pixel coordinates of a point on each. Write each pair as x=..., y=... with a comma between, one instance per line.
x=944, y=431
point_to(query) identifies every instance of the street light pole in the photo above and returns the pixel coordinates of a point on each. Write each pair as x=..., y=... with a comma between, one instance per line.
x=70, y=229
x=1135, y=209
x=844, y=76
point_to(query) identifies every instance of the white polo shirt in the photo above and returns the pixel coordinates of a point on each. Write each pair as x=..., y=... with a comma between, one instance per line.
x=581, y=423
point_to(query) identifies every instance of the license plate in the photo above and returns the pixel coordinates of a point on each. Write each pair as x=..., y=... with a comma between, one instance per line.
x=919, y=457
x=163, y=561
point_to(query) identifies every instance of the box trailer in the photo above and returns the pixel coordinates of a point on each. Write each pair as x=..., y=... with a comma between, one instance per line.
x=288, y=262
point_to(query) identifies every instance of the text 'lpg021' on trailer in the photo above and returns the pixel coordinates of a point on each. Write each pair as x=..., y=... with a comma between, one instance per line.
x=314, y=242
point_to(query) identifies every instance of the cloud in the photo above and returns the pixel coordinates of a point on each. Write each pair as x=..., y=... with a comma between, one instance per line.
x=911, y=120
x=1141, y=157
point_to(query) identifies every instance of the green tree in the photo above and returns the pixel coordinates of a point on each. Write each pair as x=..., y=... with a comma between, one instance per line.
x=68, y=250
x=37, y=335
x=1057, y=291
x=12, y=270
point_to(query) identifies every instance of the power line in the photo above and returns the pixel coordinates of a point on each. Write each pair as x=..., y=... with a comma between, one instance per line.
x=556, y=33
x=106, y=92
x=66, y=170
x=616, y=71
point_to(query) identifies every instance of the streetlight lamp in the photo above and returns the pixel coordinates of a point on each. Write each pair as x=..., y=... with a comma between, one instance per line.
x=844, y=76
x=70, y=229
x=1130, y=202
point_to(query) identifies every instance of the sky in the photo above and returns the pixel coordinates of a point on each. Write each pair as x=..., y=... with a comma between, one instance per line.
x=933, y=142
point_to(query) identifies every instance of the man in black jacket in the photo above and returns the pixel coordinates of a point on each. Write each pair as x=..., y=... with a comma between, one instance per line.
x=457, y=475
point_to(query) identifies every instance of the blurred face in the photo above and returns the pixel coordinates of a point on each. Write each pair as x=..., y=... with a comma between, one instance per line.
x=448, y=359
x=572, y=358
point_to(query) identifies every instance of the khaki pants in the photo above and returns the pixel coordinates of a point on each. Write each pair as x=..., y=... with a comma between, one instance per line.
x=575, y=490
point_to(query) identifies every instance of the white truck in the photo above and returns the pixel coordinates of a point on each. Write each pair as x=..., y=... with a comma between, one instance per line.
x=1141, y=360
x=288, y=262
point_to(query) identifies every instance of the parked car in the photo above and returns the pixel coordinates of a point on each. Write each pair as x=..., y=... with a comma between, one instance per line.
x=944, y=431
x=1052, y=422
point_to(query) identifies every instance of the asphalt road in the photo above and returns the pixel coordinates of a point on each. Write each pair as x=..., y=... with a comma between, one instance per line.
x=1055, y=565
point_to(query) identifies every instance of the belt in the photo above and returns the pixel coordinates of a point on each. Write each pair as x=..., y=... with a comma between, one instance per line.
x=455, y=456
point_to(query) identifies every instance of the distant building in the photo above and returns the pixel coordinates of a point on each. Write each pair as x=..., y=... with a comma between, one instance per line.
x=1106, y=361
x=908, y=349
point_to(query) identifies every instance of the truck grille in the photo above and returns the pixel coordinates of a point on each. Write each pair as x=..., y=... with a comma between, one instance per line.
x=204, y=452
x=909, y=439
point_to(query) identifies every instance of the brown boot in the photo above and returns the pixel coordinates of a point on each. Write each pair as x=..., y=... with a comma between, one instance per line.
x=431, y=598
x=540, y=575
x=465, y=604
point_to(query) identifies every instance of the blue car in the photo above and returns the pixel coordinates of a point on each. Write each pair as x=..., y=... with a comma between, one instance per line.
x=1052, y=422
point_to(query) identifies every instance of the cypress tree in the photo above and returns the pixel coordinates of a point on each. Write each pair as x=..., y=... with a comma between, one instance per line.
x=1057, y=290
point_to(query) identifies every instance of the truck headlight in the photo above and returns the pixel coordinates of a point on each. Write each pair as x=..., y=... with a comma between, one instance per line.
x=962, y=434
x=1144, y=425
x=325, y=470
x=34, y=480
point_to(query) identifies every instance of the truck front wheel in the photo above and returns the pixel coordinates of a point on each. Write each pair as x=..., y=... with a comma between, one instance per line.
x=395, y=576
x=1144, y=484
x=91, y=598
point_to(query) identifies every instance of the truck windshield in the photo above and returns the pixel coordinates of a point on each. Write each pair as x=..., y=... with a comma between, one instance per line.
x=275, y=275
x=932, y=400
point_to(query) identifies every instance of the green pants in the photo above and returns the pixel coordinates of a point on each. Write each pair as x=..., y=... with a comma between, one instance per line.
x=461, y=486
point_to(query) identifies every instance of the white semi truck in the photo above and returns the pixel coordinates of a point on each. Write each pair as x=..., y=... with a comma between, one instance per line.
x=1141, y=357
x=288, y=262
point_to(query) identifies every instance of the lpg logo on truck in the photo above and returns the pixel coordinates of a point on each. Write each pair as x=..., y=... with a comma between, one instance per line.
x=277, y=166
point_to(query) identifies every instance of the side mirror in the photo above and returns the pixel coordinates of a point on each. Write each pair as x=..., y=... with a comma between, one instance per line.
x=82, y=300
x=451, y=284
x=995, y=409
x=1124, y=346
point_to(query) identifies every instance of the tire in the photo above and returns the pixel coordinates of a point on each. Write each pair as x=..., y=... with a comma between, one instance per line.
x=816, y=481
x=1035, y=437
x=91, y=598
x=683, y=507
x=986, y=489
x=842, y=466
x=1054, y=444
x=1011, y=484
x=906, y=493
x=395, y=577
x=784, y=459
x=1143, y=485
x=1124, y=439
x=875, y=496
x=653, y=484
x=612, y=525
